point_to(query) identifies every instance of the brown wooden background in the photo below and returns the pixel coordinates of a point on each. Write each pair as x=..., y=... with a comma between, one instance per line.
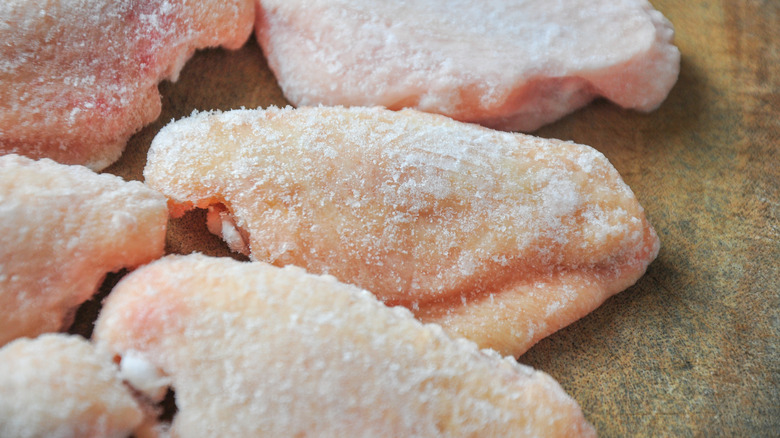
x=692, y=349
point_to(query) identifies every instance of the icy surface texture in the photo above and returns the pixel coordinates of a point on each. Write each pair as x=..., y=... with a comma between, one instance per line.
x=79, y=77
x=61, y=386
x=62, y=228
x=512, y=65
x=255, y=350
x=501, y=237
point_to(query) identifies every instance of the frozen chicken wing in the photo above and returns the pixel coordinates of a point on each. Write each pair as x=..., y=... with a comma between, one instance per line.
x=255, y=350
x=503, y=238
x=60, y=386
x=62, y=228
x=79, y=77
x=512, y=65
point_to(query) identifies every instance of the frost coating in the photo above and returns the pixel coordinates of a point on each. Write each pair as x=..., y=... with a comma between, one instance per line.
x=423, y=211
x=61, y=386
x=79, y=77
x=513, y=65
x=62, y=228
x=255, y=350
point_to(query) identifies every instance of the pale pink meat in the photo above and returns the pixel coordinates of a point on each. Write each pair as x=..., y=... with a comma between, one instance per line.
x=61, y=386
x=62, y=228
x=512, y=65
x=502, y=238
x=255, y=350
x=79, y=77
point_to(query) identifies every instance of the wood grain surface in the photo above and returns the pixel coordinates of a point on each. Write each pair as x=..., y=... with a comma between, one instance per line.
x=692, y=348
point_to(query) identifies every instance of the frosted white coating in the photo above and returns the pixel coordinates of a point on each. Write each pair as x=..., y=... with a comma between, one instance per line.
x=60, y=386
x=421, y=210
x=62, y=228
x=513, y=65
x=79, y=77
x=254, y=350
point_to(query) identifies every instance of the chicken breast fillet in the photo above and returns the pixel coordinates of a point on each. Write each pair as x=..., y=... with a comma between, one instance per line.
x=60, y=386
x=255, y=350
x=502, y=238
x=62, y=228
x=79, y=77
x=512, y=65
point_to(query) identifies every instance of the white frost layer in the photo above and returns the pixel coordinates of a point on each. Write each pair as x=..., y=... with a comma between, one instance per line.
x=513, y=65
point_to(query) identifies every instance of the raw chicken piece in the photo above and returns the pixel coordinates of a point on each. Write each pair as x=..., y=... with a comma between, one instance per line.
x=61, y=386
x=79, y=77
x=62, y=228
x=255, y=350
x=502, y=238
x=512, y=65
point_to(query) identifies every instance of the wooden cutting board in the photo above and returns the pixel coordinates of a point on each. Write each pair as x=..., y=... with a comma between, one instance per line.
x=692, y=348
